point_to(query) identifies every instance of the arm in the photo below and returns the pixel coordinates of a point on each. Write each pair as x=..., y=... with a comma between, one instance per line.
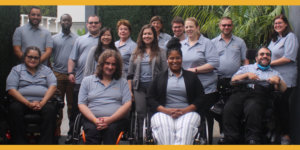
x=19, y=97
x=120, y=113
x=248, y=75
x=202, y=69
x=71, y=65
x=278, y=83
x=18, y=52
x=280, y=61
x=87, y=113
x=50, y=92
x=47, y=54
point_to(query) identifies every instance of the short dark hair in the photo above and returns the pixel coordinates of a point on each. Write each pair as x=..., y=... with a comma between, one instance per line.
x=65, y=15
x=34, y=7
x=263, y=47
x=93, y=16
x=101, y=61
x=177, y=19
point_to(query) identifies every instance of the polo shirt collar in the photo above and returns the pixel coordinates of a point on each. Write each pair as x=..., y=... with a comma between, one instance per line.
x=31, y=27
x=170, y=73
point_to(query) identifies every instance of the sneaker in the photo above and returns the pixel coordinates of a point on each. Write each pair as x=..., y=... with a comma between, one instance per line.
x=285, y=140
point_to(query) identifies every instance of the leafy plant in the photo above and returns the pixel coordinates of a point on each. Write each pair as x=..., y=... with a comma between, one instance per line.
x=81, y=32
x=252, y=23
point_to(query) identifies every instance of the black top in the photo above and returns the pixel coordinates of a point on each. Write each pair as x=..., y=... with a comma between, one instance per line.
x=157, y=92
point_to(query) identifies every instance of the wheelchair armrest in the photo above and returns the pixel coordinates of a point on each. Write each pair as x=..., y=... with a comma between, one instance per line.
x=57, y=99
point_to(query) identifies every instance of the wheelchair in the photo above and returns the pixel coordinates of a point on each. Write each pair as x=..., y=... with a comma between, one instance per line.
x=201, y=138
x=269, y=132
x=128, y=134
x=32, y=120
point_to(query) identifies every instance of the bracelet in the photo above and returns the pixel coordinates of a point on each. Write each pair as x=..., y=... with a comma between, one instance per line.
x=196, y=69
x=70, y=73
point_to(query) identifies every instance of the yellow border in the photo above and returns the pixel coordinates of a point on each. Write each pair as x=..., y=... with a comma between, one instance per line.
x=150, y=147
x=150, y=2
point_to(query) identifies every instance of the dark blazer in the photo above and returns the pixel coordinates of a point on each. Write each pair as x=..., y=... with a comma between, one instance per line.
x=157, y=92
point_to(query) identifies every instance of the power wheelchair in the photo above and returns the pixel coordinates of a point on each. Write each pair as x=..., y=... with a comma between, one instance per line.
x=32, y=121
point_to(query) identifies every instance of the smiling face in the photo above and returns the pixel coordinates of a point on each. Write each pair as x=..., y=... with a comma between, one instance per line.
x=106, y=38
x=109, y=67
x=178, y=29
x=35, y=17
x=32, y=59
x=226, y=27
x=191, y=29
x=263, y=57
x=93, y=25
x=148, y=36
x=279, y=26
x=157, y=25
x=123, y=32
x=174, y=61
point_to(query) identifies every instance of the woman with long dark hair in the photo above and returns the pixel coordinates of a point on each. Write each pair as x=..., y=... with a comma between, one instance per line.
x=106, y=41
x=284, y=47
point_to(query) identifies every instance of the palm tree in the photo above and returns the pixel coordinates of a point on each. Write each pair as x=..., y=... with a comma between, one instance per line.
x=252, y=23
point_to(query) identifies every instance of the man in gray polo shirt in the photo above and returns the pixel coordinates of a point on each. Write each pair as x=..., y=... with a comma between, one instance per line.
x=232, y=53
x=77, y=59
x=32, y=34
x=62, y=46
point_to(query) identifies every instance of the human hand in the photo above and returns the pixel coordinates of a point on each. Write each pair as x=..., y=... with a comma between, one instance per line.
x=252, y=76
x=71, y=78
x=274, y=80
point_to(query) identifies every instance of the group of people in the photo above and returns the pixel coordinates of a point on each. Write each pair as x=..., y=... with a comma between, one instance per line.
x=174, y=79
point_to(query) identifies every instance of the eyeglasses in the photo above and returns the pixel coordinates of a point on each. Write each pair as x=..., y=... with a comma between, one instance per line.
x=93, y=22
x=262, y=54
x=228, y=25
x=33, y=57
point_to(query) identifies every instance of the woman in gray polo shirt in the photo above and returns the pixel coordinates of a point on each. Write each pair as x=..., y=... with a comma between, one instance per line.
x=174, y=97
x=106, y=41
x=201, y=57
x=146, y=62
x=31, y=85
x=104, y=99
x=284, y=47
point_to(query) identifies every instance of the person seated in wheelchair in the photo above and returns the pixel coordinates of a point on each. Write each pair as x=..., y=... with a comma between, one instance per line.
x=31, y=84
x=248, y=102
x=173, y=100
x=104, y=100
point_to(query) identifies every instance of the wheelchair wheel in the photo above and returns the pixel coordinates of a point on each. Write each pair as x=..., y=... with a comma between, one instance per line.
x=202, y=137
x=147, y=131
x=78, y=133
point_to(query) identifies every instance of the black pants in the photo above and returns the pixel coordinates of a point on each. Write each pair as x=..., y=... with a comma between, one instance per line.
x=244, y=105
x=109, y=135
x=17, y=111
x=75, y=109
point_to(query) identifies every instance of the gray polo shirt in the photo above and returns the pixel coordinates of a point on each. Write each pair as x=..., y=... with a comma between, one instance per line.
x=176, y=91
x=162, y=39
x=103, y=101
x=286, y=47
x=81, y=48
x=203, y=52
x=62, y=47
x=32, y=87
x=27, y=35
x=253, y=68
x=126, y=51
x=231, y=55
x=146, y=71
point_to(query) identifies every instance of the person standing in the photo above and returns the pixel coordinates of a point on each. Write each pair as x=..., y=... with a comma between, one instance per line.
x=77, y=60
x=125, y=45
x=284, y=47
x=232, y=53
x=31, y=34
x=157, y=23
x=178, y=28
x=62, y=46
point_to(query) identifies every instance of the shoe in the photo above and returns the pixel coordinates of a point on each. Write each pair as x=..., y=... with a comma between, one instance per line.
x=253, y=142
x=221, y=141
x=285, y=141
x=68, y=139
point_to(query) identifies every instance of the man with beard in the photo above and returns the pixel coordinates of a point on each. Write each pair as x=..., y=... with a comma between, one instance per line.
x=249, y=102
x=62, y=46
x=32, y=34
x=77, y=60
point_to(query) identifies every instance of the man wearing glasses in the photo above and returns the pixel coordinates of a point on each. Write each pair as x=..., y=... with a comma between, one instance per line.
x=249, y=101
x=232, y=53
x=77, y=60
x=31, y=34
